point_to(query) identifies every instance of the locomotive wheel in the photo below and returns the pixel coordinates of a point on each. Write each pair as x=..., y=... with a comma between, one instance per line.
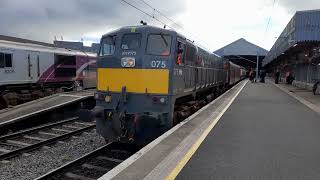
x=3, y=103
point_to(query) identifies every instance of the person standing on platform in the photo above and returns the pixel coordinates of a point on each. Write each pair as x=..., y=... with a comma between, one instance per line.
x=251, y=75
x=262, y=76
x=277, y=77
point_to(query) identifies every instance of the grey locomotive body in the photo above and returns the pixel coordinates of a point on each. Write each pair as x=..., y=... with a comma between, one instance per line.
x=149, y=79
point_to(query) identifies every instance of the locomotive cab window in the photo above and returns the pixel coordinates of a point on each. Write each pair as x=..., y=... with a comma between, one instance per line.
x=191, y=54
x=107, y=46
x=131, y=41
x=180, y=53
x=5, y=60
x=159, y=44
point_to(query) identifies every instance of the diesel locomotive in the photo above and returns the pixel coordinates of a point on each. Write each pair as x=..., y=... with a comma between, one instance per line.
x=149, y=79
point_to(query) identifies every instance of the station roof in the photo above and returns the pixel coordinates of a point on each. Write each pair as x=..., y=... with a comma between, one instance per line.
x=303, y=29
x=241, y=47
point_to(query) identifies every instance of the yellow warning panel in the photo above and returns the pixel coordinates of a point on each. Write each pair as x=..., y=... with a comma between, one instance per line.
x=154, y=81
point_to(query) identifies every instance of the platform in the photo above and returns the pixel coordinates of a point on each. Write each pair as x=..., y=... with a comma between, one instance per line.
x=42, y=105
x=254, y=131
x=265, y=134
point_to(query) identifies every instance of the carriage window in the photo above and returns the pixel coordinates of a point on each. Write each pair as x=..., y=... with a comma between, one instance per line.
x=5, y=60
x=2, y=62
x=8, y=60
x=107, y=46
x=191, y=55
x=131, y=41
x=159, y=44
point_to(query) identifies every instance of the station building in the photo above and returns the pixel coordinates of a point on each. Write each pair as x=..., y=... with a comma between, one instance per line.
x=297, y=50
x=243, y=53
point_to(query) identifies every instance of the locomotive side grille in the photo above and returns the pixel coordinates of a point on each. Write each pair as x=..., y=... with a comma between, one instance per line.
x=153, y=81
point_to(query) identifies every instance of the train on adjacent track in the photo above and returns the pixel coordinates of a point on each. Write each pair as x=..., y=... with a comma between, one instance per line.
x=149, y=79
x=30, y=71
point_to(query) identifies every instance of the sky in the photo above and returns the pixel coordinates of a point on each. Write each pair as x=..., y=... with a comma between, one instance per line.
x=210, y=23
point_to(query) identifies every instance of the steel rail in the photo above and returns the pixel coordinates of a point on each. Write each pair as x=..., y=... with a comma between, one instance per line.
x=43, y=143
x=2, y=138
x=65, y=169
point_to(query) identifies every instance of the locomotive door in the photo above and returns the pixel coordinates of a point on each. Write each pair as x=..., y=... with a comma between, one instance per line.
x=33, y=65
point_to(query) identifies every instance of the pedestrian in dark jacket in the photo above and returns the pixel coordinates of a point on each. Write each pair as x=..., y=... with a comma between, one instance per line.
x=277, y=77
x=251, y=75
x=262, y=76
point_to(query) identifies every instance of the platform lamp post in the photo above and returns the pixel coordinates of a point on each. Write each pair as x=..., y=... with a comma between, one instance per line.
x=257, y=66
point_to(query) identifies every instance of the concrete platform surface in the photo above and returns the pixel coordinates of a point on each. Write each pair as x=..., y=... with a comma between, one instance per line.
x=28, y=109
x=265, y=134
x=303, y=95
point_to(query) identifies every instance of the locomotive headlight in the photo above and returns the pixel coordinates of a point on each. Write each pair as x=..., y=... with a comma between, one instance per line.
x=128, y=62
x=108, y=99
x=162, y=100
x=159, y=100
x=96, y=96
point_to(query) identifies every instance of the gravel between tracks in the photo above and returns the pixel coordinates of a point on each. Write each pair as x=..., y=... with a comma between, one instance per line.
x=44, y=160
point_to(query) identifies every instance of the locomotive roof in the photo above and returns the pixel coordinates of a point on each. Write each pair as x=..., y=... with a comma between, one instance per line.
x=42, y=48
x=144, y=28
x=141, y=28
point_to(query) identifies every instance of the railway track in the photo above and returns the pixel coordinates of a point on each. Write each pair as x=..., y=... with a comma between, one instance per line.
x=25, y=141
x=94, y=164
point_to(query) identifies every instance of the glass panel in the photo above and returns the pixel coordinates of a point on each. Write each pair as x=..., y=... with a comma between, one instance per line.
x=38, y=65
x=107, y=46
x=159, y=44
x=8, y=59
x=131, y=41
x=2, y=62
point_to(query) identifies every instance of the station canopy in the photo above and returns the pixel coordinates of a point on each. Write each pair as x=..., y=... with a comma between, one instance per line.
x=298, y=43
x=243, y=53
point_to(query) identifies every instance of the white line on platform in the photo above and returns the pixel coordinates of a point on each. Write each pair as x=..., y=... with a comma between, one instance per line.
x=118, y=169
x=71, y=95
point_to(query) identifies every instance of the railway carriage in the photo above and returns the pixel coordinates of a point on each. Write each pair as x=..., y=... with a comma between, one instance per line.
x=149, y=79
x=30, y=71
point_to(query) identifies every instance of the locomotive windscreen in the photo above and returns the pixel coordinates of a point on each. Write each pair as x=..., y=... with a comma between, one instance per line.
x=65, y=60
x=131, y=41
x=65, y=72
x=159, y=44
x=107, y=46
x=65, y=66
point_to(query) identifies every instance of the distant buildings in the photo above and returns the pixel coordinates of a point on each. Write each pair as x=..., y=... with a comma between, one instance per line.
x=77, y=46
